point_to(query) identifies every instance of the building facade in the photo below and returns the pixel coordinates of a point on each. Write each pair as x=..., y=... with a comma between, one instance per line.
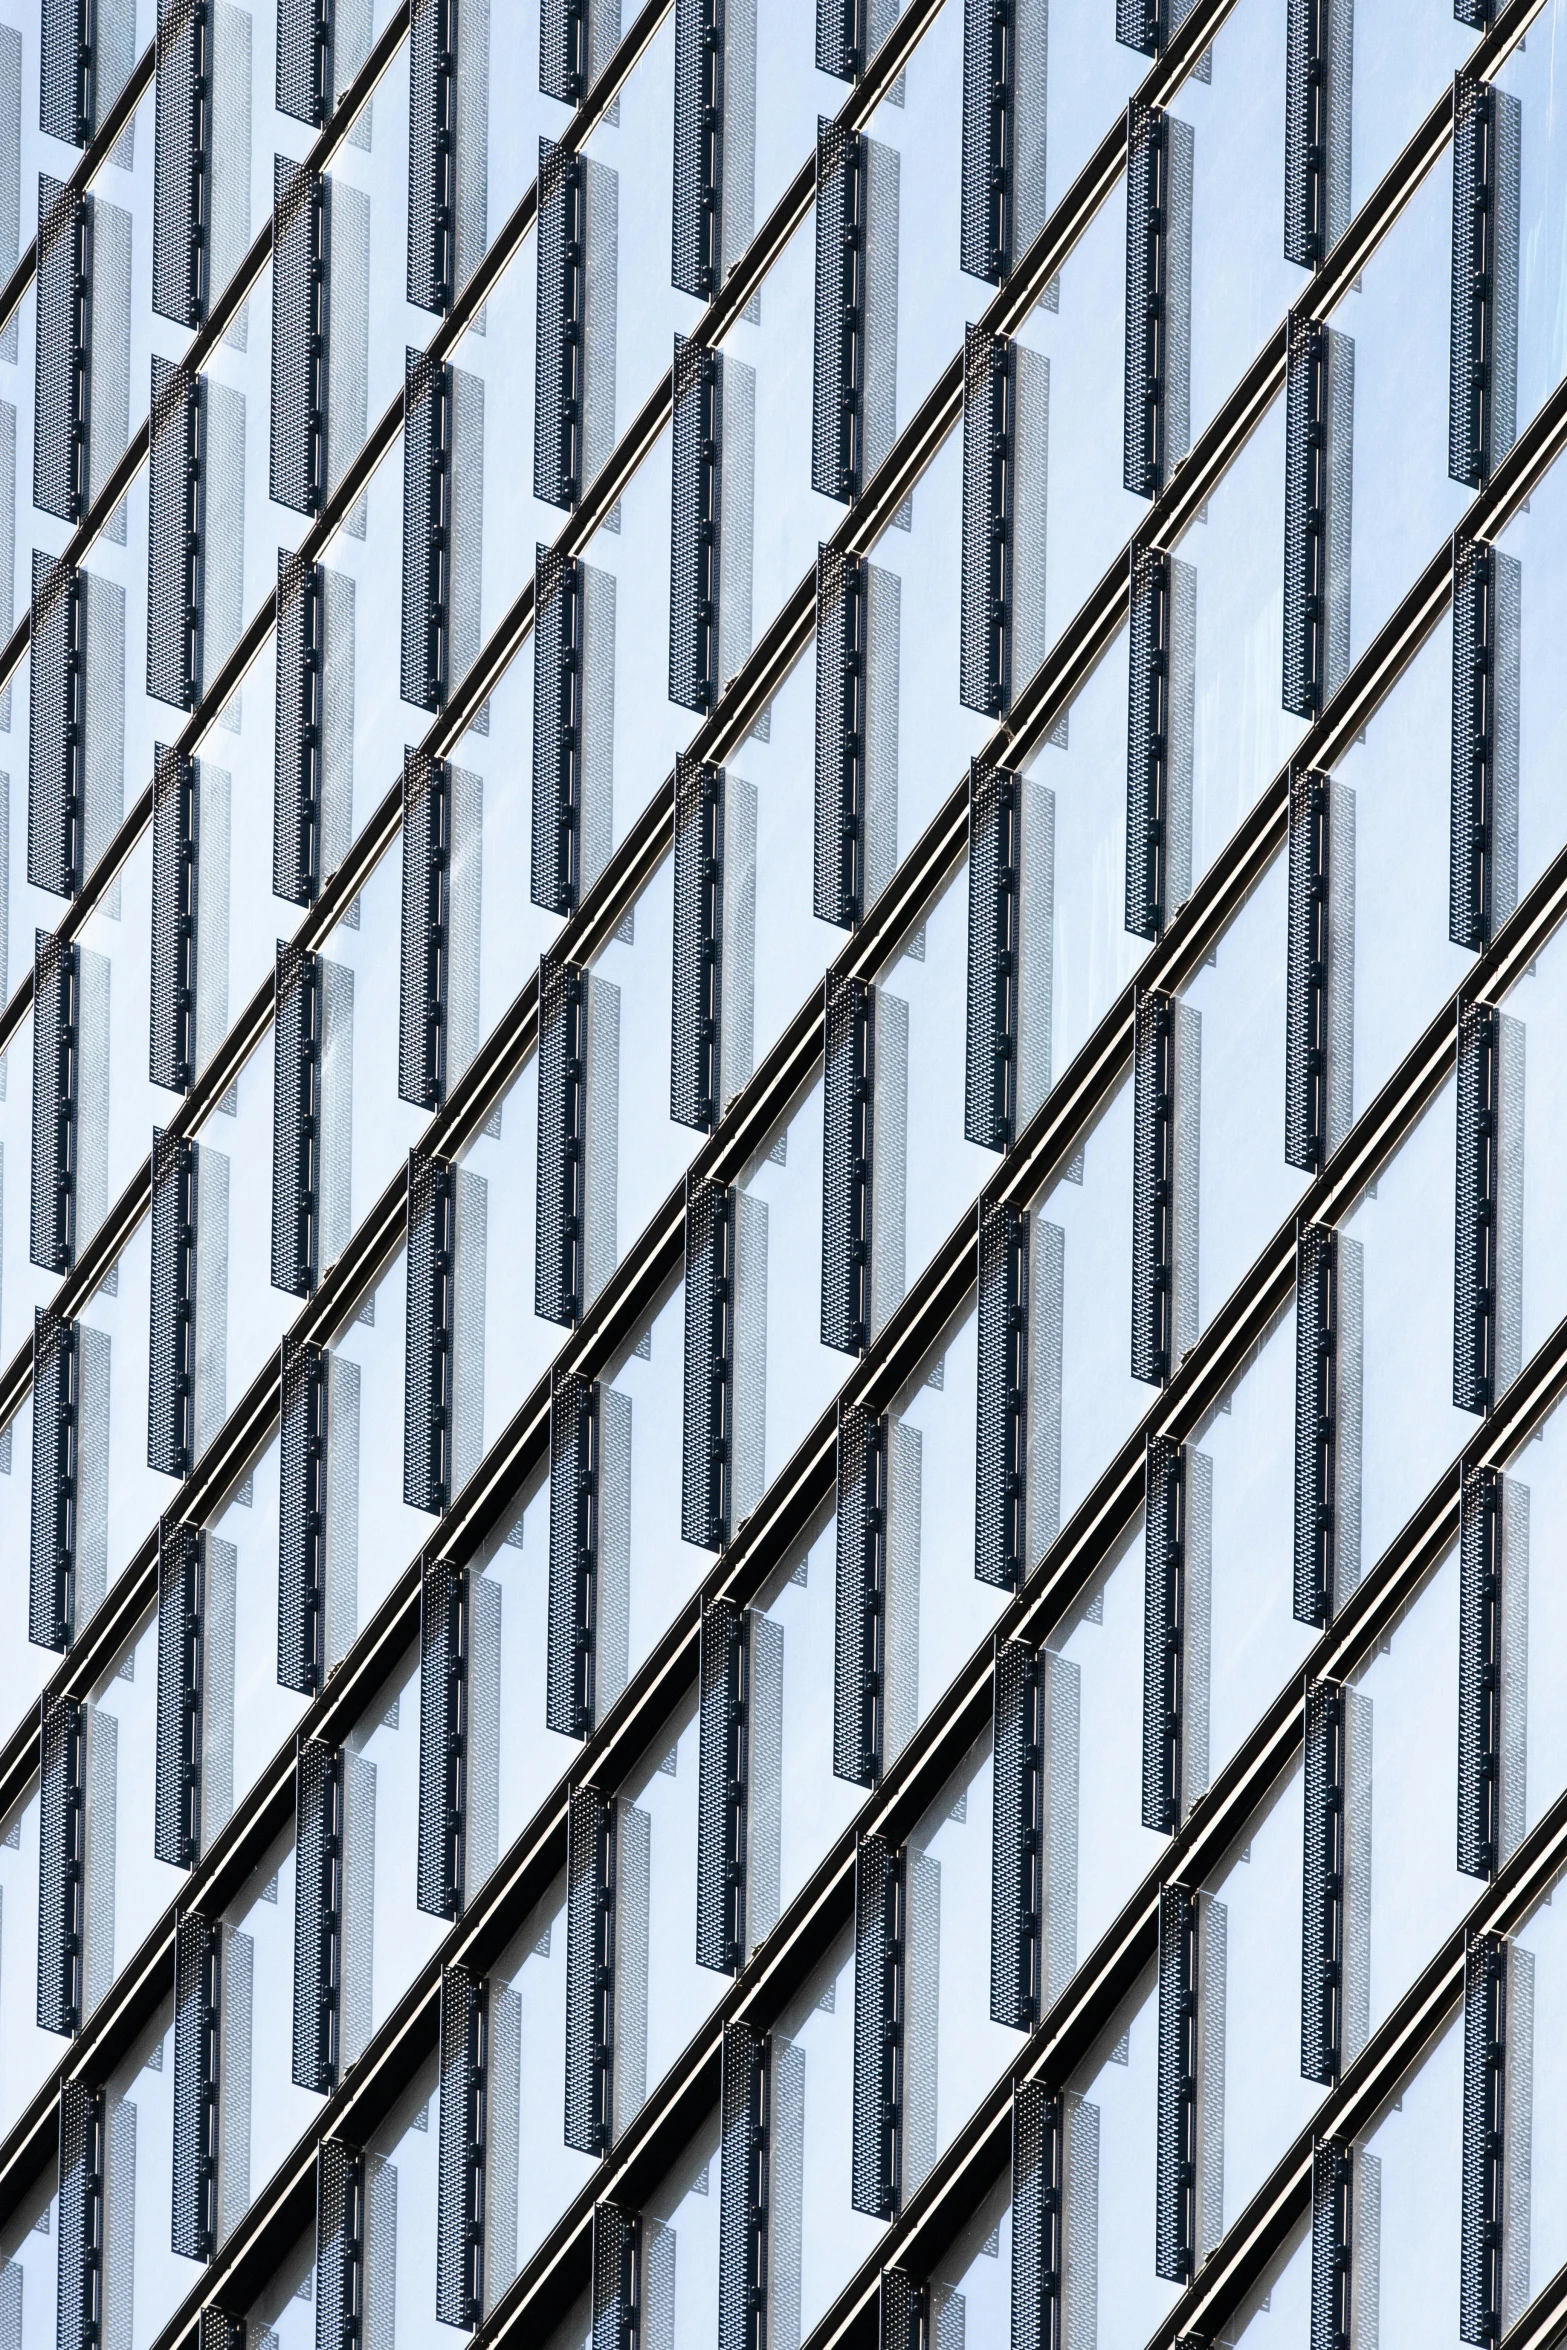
x=775, y=1346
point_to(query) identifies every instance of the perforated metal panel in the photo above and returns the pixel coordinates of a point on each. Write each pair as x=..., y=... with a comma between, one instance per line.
x=859, y=1649
x=560, y=335
x=56, y=1101
x=1487, y=601
x=1306, y=982
x=1305, y=515
x=839, y=372
x=1316, y=1423
x=559, y=656
x=298, y=732
x=1001, y=1436
x=984, y=671
x=427, y=526
x=1164, y=1559
x=1147, y=297
x=443, y=1668
x=1153, y=1185
x=575, y=1504
x=318, y=1914
x=1483, y=366
x=1017, y=1838
x=842, y=693
x=171, y=1334
x=296, y=1120
x=305, y=75
x=878, y=2026
x=175, y=534
x=1306, y=127
x=848, y=1111
x=1037, y=2214
x=707, y=1448
x=1480, y=1672
x=841, y=38
x=723, y=1678
x=1475, y=1210
x=432, y=154
x=340, y=2245
x=1142, y=25
x=57, y=702
x=1484, y=2149
x=1322, y=1886
x=56, y=1429
x=1332, y=2245
x=590, y=1977
x=459, y=2203
x=179, y=242
x=62, y=1844
x=1176, y=2142
x=431, y=1315
x=300, y=331
x=994, y=912
x=78, y=2323
x=302, y=1505
x=172, y=1037
x=560, y=1273
x=197, y=1991
x=64, y=82
x=426, y=930
x=984, y=235
x=61, y=388
x=744, y=2129
x=696, y=470
x=697, y=213
x=618, y=2287
x=697, y=961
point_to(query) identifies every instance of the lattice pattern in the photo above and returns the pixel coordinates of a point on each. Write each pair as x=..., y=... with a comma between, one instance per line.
x=1316, y=1424
x=1037, y=2216
x=721, y=1789
x=696, y=1018
x=81, y=2215
x=559, y=714
x=706, y=1459
x=878, y=2025
x=304, y=61
x=426, y=930
x=318, y=1914
x=860, y=1630
x=696, y=470
x=56, y=748
x=618, y=2285
x=56, y=1409
x=171, y=1335
x=1141, y=25
x=1307, y=964
x=296, y=1115
x=1322, y=1887
x=841, y=39
x=697, y=239
x=1148, y=744
x=1147, y=291
x=848, y=1117
x=1164, y=1561
x=839, y=378
x=994, y=942
x=1017, y=1839
x=1305, y=516
x=428, y=1368
x=744, y=2127
x=988, y=192
x=1153, y=1186
x=300, y=335
x=1484, y=2151
x=172, y=1045
x=1480, y=1672
x=302, y=1504
x=576, y=1491
x=197, y=1961
x=560, y=336
x=56, y=1101
x=179, y=246
x=1487, y=596
x=560, y=1275
x=62, y=1845
x=432, y=154
x=427, y=527
x=298, y=735
x=1332, y=2240
x=340, y=2248
x=459, y=2205
x=443, y=1664
x=984, y=670
x=1307, y=38
x=590, y=1983
x=842, y=661
x=1001, y=1438
x=64, y=77
x=1175, y=2187
x=175, y=535
x=1475, y=1210
x=61, y=388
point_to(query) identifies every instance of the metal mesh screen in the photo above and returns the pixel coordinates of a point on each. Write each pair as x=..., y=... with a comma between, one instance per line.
x=296, y=1090
x=560, y=348
x=298, y=731
x=993, y=956
x=859, y=1643
x=576, y=1498
x=304, y=82
x=841, y=694
x=837, y=423
x=442, y=1713
x=1475, y=1203
x=1305, y=505
x=301, y=329
x=589, y=1970
x=742, y=2207
x=559, y=1278
x=459, y=2177
x=432, y=154
x=171, y=1333
x=1322, y=1886
x=984, y=683
x=172, y=1038
x=318, y=1912
x=699, y=147
x=302, y=1481
x=196, y=1996
x=697, y=962
x=1016, y=1839
x=1176, y=2142
x=1479, y=1671
x=709, y=1363
x=179, y=162
x=1001, y=1431
x=61, y=380
x=56, y=1406
x=1316, y=1396
x=559, y=653
x=720, y=1835
x=878, y=1969
x=695, y=525
x=427, y=500
x=1306, y=969
x=62, y=1838
x=56, y=1093
x=81, y=2168
x=428, y=1380
x=1484, y=2145
x=426, y=930
x=56, y=726
x=1164, y=1541
x=1153, y=1185
x=848, y=1091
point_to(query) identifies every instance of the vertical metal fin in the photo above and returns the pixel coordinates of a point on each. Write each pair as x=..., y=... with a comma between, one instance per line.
x=576, y=1500
x=65, y=93
x=61, y=376
x=1475, y=1210
x=1322, y=1886
x=615, y=2261
x=696, y=1016
x=859, y=1650
x=1163, y=1623
x=994, y=955
x=428, y=1360
x=1483, y=367
x=177, y=1785
x=78, y=2322
x=697, y=211
x=560, y=339
x=302, y=1517
x=1316, y=1424
x=1487, y=600
x=171, y=1315
x=590, y=1975
x=175, y=855
x=459, y=2211
x=1480, y=1672
x=878, y=2026
x=299, y=737
x=424, y=994
x=707, y=1456
x=57, y=726
x=56, y=1102
x=318, y=1915
x=428, y=432
x=56, y=1445
x=839, y=375
x=1158, y=296
x=340, y=2245
x=62, y=1854
x=1480, y=2248
x=848, y=1102
x=296, y=1120
x=1318, y=68
x=559, y=692
x=695, y=523
x=1038, y=2216
x=197, y=1993
x=1017, y=1830
x=1001, y=1534
x=985, y=681
x=432, y=154
x=443, y=1675
x=176, y=530
x=1176, y=2184
x=305, y=82
x=745, y=2132
x=1332, y=2245
x=843, y=685
x=1306, y=985
x=1153, y=1186
x=722, y=1777
x=301, y=329
x=560, y=1277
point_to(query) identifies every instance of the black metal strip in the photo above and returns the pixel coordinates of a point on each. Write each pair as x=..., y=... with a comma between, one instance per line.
x=298, y=731
x=984, y=659
x=198, y=1964
x=859, y=1648
x=62, y=1862
x=1475, y=1214
x=1332, y=2245
x=696, y=1013
x=175, y=854
x=296, y=1121
x=1306, y=978
x=560, y=1275
x=176, y=531
x=79, y=2260
x=560, y=336
x=1483, y=368
x=340, y=2246
x=590, y=1970
x=696, y=467
x=707, y=1468
x=1001, y=1438
x=615, y=2266
x=429, y=1370
x=425, y=989
x=302, y=1476
x=697, y=213
x=1164, y=1616
x=1316, y=1423
x=1322, y=1885
x=1038, y=2238
x=432, y=154
x=842, y=293
x=57, y=727
x=56, y=1436
x=57, y=1072
x=428, y=433
x=318, y=1914
x=1487, y=601
x=306, y=76
x=723, y=1676
x=171, y=1316
x=1480, y=2248
x=1017, y=1838
x=848, y=1131
x=443, y=1736
x=181, y=207
x=1480, y=1671
x=61, y=395
x=1305, y=510
x=744, y=2199
x=177, y=1784
x=842, y=703
x=460, y=2177
x=301, y=329
x=1175, y=2222
x=575, y=1473
x=1151, y=138
x=878, y=2026
x=994, y=936
x=1153, y=1185
x=559, y=686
